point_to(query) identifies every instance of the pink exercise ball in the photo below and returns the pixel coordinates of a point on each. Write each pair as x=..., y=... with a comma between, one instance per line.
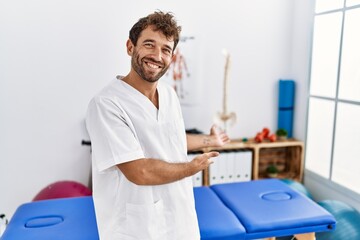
x=63, y=189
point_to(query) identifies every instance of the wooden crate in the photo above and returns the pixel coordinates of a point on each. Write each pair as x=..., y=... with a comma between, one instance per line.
x=288, y=160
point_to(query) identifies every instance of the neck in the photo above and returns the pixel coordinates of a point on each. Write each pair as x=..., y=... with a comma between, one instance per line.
x=148, y=89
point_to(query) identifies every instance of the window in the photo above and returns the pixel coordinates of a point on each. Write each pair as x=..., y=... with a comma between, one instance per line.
x=325, y=55
x=350, y=3
x=327, y=5
x=333, y=127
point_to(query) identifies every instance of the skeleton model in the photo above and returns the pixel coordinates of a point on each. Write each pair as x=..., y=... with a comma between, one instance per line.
x=179, y=69
x=225, y=117
x=178, y=64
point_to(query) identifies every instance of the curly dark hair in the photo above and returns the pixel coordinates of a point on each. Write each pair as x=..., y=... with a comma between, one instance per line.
x=161, y=21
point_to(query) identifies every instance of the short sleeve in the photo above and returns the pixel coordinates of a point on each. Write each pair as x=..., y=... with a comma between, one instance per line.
x=113, y=139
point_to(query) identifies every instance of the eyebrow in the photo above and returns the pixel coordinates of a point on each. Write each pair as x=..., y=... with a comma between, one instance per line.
x=153, y=41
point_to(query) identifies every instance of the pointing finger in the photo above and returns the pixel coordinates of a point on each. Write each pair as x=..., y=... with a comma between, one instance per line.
x=211, y=154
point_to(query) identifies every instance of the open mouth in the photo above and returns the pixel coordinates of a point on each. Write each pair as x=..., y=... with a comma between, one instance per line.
x=152, y=64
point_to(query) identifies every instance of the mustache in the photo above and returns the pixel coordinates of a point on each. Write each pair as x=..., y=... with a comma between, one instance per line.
x=153, y=60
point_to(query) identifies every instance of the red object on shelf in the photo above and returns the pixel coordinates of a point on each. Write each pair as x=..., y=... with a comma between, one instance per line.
x=266, y=132
x=272, y=138
x=265, y=135
x=259, y=137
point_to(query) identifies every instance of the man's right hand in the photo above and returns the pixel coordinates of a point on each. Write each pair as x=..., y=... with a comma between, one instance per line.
x=203, y=161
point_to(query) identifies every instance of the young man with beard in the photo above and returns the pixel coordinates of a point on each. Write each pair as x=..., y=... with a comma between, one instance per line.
x=142, y=187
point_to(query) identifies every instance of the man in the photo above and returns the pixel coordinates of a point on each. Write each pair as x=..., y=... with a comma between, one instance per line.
x=142, y=186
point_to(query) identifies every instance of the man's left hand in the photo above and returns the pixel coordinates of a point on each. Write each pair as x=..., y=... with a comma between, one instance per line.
x=219, y=137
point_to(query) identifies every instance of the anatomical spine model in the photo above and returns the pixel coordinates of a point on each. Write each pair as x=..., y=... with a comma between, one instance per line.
x=225, y=117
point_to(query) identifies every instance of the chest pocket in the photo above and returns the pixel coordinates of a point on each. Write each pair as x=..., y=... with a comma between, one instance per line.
x=175, y=134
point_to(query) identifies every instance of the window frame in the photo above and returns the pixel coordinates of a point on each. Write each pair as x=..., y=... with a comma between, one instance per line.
x=336, y=100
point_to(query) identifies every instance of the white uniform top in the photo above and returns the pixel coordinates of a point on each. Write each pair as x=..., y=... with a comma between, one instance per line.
x=124, y=125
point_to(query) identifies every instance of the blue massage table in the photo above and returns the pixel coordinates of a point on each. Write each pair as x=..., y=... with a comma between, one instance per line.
x=233, y=211
x=264, y=209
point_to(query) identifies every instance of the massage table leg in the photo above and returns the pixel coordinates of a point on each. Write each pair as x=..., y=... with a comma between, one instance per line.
x=305, y=236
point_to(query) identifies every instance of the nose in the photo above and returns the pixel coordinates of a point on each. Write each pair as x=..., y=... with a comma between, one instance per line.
x=157, y=54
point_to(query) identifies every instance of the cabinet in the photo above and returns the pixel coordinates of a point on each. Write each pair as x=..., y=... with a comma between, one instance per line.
x=287, y=155
x=233, y=165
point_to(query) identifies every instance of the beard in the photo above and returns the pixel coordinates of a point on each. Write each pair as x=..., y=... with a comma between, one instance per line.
x=138, y=65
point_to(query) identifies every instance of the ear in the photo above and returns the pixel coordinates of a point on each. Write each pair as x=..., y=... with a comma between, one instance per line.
x=175, y=54
x=129, y=47
x=173, y=58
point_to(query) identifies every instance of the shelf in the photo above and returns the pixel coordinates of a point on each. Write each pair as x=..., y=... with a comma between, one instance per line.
x=287, y=155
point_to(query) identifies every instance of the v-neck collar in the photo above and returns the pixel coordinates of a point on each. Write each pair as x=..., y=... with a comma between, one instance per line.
x=143, y=100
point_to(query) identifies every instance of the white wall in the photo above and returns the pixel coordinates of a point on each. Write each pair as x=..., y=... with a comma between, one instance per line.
x=300, y=61
x=258, y=36
x=55, y=55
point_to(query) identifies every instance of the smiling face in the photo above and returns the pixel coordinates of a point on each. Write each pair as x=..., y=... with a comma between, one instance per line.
x=152, y=54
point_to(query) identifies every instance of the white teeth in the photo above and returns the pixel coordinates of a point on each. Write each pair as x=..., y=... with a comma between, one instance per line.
x=152, y=65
